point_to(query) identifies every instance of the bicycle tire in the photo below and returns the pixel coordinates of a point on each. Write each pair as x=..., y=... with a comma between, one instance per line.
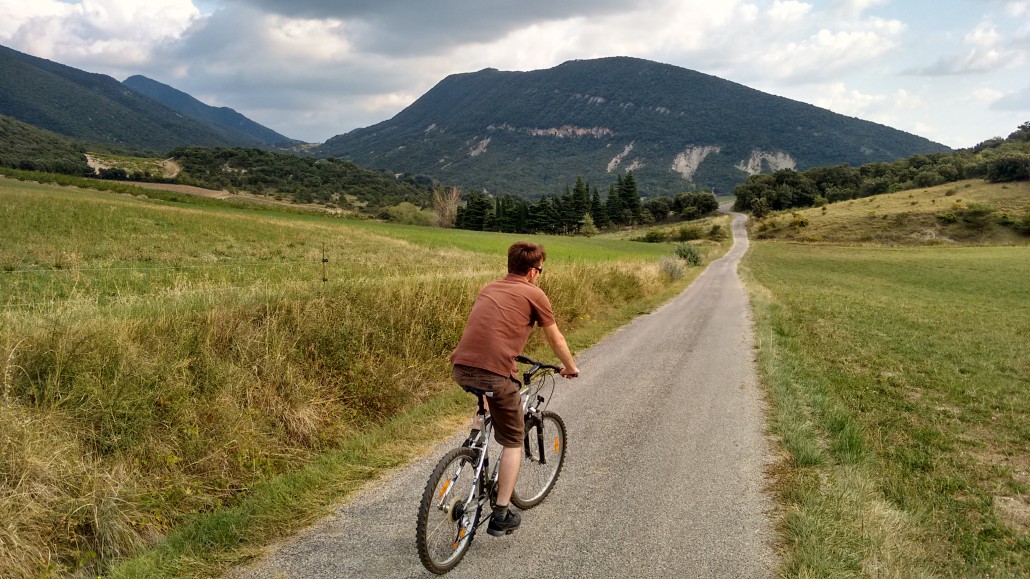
x=536, y=477
x=444, y=528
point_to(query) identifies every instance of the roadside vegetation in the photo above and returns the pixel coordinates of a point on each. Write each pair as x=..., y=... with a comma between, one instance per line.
x=892, y=342
x=178, y=383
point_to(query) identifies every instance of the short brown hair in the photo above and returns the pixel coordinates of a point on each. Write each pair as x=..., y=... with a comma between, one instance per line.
x=523, y=256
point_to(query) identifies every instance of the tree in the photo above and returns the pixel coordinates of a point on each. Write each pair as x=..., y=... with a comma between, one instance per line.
x=694, y=205
x=587, y=226
x=598, y=212
x=630, y=196
x=613, y=205
x=474, y=214
x=659, y=209
x=445, y=205
x=1021, y=134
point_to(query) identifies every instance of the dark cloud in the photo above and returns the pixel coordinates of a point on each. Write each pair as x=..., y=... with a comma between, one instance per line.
x=230, y=61
x=416, y=26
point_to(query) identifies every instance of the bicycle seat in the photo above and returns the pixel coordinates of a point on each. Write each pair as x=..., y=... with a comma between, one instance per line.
x=477, y=391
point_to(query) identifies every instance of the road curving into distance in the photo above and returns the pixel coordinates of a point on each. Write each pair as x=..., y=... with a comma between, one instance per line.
x=664, y=476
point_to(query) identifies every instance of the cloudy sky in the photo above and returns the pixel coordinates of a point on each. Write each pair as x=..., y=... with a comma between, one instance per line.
x=954, y=71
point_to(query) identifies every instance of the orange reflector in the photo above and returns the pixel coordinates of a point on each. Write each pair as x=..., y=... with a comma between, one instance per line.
x=443, y=490
x=461, y=535
x=557, y=444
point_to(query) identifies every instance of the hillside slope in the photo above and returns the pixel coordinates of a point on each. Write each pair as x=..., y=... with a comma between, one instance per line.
x=95, y=107
x=970, y=212
x=235, y=125
x=532, y=132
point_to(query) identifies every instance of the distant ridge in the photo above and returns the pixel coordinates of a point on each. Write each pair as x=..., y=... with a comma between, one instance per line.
x=98, y=109
x=677, y=129
x=235, y=125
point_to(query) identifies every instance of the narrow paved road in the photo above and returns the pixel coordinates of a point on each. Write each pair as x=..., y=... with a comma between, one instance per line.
x=664, y=476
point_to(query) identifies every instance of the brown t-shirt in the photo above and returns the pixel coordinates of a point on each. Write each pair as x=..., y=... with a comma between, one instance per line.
x=500, y=323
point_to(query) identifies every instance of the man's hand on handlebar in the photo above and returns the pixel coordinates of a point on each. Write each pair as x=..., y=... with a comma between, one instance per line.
x=569, y=373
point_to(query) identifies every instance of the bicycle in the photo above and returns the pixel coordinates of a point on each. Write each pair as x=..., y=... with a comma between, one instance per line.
x=462, y=487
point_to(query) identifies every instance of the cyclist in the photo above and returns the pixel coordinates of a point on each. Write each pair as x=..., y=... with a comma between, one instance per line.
x=498, y=327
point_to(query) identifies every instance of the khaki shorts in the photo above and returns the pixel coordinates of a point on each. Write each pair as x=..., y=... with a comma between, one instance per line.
x=505, y=404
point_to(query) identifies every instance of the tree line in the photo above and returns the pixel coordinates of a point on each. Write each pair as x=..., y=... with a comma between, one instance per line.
x=995, y=160
x=580, y=209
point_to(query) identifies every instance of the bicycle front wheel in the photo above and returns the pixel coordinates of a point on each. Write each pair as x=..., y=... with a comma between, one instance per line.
x=449, y=512
x=543, y=457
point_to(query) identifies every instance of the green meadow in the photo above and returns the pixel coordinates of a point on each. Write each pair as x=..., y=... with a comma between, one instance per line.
x=898, y=385
x=183, y=381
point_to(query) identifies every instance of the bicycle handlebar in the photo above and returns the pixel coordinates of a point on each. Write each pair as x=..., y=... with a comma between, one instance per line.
x=535, y=367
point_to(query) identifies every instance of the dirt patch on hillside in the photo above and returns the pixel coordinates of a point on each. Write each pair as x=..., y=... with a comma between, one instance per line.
x=240, y=196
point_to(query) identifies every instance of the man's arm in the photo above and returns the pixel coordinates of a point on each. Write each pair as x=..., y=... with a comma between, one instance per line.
x=561, y=349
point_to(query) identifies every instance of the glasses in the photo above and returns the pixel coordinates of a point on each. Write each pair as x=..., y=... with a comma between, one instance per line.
x=538, y=269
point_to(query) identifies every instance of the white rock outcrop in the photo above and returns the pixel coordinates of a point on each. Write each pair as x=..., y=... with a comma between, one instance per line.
x=773, y=160
x=617, y=159
x=687, y=162
x=479, y=147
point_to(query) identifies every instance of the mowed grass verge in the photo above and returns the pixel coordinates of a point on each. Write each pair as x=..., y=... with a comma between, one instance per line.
x=898, y=383
x=178, y=375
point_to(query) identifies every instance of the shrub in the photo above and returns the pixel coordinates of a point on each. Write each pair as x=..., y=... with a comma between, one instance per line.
x=947, y=217
x=717, y=233
x=689, y=232
x=977, y=215
x=672, y=268
x=652, y=236
x=798, y=221
x=689, y=253
x=1009, y=167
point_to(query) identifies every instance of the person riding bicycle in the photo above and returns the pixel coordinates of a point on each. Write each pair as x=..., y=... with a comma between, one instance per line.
x=497, y=330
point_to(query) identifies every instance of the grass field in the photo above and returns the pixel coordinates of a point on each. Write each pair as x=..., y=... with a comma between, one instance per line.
x=168, y=364
x=898, y=382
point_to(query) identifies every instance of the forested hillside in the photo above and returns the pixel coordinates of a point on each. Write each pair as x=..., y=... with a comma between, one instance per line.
x=995, y=160
x=236, y=126
x=99, y=109
x=304, y=180
x=23, y=146
x=530, y=133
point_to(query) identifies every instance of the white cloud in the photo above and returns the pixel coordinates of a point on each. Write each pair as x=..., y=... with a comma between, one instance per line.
x=987, y=95
x=116, y=33
x=984, y=35
x=789, y=11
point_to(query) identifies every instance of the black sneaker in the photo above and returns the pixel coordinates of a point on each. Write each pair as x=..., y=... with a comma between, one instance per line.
x=500, y=526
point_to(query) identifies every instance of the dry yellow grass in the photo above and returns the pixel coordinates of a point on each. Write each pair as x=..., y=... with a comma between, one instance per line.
x=905, y=218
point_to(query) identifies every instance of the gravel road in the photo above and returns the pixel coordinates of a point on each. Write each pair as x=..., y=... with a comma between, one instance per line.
x=664, y=476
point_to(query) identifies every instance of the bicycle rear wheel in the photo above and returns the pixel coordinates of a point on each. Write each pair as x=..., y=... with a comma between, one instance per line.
x=449, y=512
x=542, y=461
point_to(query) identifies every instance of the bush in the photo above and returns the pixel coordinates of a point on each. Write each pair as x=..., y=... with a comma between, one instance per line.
x=671, y=268
x=689, y=253
x=977, y=215
x=652, y=236
x=1009, y=167
x=947, y=217
x=717, y=233
x=798, y=221
x=689, y=232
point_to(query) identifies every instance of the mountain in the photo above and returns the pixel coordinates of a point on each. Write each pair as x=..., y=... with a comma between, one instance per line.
x=97, y=108
x=677, y=129
x=234, y=124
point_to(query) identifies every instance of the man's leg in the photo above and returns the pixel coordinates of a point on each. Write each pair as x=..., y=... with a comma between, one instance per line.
x=511, y=462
